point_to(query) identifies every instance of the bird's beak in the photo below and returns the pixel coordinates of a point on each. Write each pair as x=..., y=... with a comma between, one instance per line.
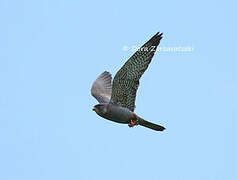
x=94, y=108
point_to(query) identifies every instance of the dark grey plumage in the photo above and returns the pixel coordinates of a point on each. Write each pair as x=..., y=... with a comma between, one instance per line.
x=126, y=81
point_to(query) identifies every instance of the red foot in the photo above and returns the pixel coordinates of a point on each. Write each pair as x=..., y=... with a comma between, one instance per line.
x=131, y=123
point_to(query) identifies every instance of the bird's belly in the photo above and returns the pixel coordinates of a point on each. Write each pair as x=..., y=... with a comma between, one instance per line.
x=119, y=115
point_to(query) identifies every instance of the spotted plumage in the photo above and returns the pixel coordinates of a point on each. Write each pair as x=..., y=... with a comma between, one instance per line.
x=126, y=81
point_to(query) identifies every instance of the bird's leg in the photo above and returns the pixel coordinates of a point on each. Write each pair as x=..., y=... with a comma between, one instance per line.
x=133, y=121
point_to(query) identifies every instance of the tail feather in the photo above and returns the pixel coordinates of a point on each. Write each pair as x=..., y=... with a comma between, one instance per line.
x=150, y=125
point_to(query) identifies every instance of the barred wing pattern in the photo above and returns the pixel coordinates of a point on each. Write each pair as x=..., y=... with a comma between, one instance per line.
x=102, y=88
x=126, y=81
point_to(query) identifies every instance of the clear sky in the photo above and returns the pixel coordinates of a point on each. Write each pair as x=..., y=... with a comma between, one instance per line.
x=51, y=51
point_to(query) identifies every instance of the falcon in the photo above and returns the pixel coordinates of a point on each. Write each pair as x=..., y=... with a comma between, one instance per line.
x=117, y=99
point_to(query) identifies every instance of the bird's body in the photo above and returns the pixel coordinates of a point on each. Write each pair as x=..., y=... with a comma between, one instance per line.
x=117, y=99
x=115, y=113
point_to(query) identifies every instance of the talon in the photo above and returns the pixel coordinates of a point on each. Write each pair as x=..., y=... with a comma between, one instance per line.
x=131, y=123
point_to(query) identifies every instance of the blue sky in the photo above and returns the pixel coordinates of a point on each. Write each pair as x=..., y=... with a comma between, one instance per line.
x=50, y=54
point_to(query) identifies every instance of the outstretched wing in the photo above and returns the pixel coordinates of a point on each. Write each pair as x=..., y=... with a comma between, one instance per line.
x=126, y=81
x=102, y=88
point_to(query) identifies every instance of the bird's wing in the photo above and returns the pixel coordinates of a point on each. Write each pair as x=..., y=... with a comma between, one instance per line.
x=126, y=81
x=102, y=88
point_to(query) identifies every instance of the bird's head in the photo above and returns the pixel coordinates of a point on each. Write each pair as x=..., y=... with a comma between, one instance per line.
x=100, y=109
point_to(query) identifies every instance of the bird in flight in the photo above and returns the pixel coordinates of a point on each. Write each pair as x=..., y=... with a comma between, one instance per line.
x=117, y=99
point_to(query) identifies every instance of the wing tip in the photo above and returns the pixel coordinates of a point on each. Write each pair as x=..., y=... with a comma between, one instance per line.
x=158, y=35
x=106, y=72
x=155, y=40
x=105, y=75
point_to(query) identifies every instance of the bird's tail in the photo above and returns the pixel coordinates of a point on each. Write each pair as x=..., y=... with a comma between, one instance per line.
x=150, y=125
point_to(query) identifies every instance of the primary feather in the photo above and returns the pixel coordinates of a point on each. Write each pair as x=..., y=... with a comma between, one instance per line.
x=126, y=81
x=102, y=88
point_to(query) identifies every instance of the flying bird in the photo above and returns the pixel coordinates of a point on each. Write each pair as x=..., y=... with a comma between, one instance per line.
x=117, y=99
